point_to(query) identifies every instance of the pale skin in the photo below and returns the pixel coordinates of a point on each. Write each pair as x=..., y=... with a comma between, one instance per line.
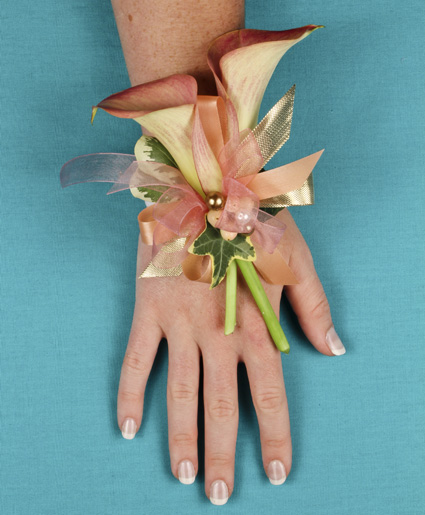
x=159, y=39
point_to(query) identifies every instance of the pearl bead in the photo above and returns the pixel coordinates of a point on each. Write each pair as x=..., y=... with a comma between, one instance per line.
x=215, y=200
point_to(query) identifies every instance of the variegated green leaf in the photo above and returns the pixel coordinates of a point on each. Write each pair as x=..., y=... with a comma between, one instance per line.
x=222, y=252
x=149, y=148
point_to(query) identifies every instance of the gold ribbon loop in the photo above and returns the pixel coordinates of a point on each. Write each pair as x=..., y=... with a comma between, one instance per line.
x=303, y=196
x=275, y=128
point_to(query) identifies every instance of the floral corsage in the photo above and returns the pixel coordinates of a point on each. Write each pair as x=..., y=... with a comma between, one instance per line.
x=202, y=165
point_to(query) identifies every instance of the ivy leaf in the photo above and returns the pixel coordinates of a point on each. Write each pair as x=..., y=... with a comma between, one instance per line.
x=149, y=148
x=222, y=252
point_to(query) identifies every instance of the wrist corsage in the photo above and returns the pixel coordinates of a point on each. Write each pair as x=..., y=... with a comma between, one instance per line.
x=202, y=166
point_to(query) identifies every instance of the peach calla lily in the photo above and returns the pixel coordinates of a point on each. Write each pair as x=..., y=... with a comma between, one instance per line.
x=166, y=107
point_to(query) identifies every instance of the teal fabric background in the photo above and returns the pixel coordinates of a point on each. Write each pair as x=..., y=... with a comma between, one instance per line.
x=68, y=261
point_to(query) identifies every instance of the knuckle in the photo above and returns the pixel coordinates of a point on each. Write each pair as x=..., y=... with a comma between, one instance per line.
x=134, y=362
x=258, y=338
x=183, y=393
x=222, y=409
x=300, y=252
x=275, y=443
x=129, y=396
x=220, y=460
x=320, y=307
x=183, y=367
x=256, y=330
x=270, y=401
x=183, y=439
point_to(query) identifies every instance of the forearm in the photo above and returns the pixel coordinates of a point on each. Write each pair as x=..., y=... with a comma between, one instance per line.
x=165, y=37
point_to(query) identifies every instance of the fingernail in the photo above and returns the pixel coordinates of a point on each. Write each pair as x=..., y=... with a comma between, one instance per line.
x=334, y=343
x=219, y=494
x=128, y=428
x=276, y=472
x=186, y=472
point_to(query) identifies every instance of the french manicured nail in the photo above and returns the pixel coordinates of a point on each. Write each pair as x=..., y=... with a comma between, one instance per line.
x=276, y=472
x=128, y=428
x=186, y=472
x=219, y=494
x=334, y=343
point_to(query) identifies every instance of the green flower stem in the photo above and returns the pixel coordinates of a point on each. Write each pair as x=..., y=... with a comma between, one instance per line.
x=263, y=303
x=231, y=286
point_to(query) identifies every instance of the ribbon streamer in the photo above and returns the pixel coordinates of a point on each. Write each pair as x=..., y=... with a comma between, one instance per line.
x=275, y=128
x=303, y=196
x=100, y=167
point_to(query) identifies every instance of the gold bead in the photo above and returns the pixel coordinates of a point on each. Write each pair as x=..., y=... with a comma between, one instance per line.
x=215, y=200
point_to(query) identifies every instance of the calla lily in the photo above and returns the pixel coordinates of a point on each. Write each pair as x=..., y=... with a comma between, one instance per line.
x=243, y=62
x=166, y=107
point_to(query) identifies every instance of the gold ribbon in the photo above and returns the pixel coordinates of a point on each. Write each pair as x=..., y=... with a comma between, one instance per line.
x=275, y=128
x=303, y=196
x=160, y=265
x=271, y=134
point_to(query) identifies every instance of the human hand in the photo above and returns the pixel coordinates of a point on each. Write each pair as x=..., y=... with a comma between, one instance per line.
x=192, y=319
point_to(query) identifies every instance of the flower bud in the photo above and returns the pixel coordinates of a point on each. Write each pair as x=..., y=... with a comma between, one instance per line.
x=227, y=235
x=213, y=216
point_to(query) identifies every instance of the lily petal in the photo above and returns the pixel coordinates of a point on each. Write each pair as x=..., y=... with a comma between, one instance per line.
x=172, y=91
x=207, y=167
x=173, y=128
x=233, y=56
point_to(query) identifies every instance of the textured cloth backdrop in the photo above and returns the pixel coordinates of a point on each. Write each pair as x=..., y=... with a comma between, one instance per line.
x=68, y=262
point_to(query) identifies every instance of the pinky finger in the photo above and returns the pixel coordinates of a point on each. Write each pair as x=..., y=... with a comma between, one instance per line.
x=308, y=298
x=309, y=302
